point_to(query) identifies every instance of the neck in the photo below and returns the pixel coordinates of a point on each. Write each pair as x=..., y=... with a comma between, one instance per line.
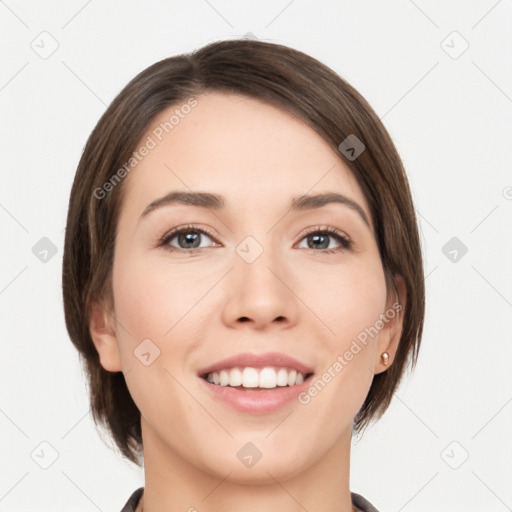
x=173, y=483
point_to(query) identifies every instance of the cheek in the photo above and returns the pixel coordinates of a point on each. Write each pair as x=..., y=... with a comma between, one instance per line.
x=151, y=301
x=346, y=299
x=349, y=304
x=151, y=310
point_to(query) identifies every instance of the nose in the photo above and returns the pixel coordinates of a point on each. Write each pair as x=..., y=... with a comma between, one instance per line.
x=260, y=293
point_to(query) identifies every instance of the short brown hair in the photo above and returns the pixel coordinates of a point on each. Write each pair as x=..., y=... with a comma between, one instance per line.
x=285, y=78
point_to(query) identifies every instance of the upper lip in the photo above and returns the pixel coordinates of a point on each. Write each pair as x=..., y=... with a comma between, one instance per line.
x=257, y=361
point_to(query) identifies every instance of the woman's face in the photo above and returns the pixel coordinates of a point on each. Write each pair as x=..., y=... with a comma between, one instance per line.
x=264, y=279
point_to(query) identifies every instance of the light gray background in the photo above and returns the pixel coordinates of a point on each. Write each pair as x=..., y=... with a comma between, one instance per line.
x=450, y=117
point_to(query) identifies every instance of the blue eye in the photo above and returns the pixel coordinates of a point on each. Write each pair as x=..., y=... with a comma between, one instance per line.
x=189, y=238
x=320, y=240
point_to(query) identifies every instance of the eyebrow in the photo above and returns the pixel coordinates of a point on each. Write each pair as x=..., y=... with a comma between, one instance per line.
x=217, y=202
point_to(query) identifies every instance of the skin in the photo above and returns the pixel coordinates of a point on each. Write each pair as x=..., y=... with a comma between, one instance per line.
x=295, y=299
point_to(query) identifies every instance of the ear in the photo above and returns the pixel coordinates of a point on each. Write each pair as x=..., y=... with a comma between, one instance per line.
x=393, y=317
x=101, y=328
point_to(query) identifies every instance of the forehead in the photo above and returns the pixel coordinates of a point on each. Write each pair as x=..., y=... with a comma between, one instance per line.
x=251, y=152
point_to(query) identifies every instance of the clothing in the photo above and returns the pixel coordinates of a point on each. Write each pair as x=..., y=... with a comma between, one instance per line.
x=357, y=500
x=362, y=503
x=133, y=501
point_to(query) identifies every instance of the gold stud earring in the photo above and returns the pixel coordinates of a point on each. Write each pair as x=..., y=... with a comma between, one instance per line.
x=385, y=358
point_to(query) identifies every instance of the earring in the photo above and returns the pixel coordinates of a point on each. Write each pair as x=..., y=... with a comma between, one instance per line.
x=385, y=358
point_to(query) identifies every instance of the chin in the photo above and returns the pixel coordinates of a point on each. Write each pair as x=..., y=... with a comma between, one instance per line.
x=253, y=463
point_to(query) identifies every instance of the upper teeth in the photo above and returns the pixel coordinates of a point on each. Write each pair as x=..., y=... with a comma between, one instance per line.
x=248, y=377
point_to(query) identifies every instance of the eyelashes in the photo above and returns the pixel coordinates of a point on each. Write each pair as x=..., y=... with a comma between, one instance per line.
x=186, y=230
x=185, y=234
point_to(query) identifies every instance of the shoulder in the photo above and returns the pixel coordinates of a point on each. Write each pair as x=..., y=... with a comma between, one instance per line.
x=133, y=501
x=362, y=503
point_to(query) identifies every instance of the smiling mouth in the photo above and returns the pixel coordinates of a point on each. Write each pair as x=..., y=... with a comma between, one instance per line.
x=256, y=379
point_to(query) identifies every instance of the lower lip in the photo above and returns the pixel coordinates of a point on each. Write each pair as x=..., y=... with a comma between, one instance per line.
x=254, y=401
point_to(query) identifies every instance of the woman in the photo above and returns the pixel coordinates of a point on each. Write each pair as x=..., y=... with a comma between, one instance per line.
x=243, y=278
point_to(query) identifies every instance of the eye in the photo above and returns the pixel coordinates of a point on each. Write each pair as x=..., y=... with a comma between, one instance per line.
x=318, y=238
x=188, y=239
